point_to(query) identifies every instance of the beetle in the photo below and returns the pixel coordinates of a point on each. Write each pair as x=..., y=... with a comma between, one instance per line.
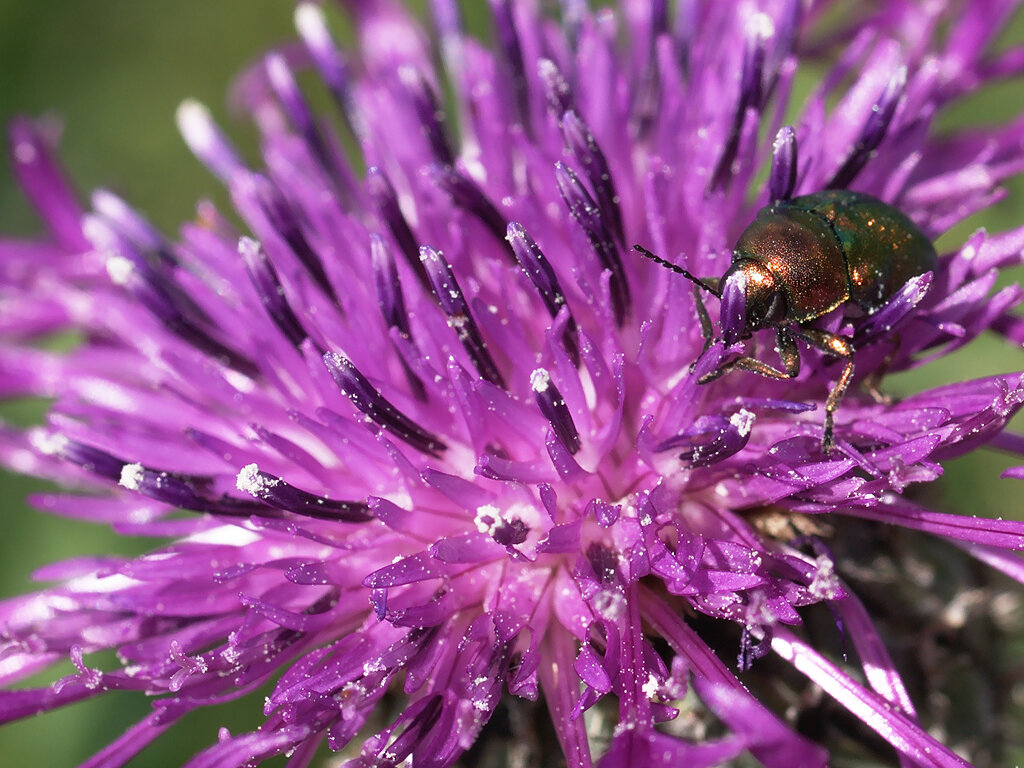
x=800, y=259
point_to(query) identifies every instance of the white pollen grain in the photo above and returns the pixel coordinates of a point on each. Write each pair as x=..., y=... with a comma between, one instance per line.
x=540, y=380
x=120, y=269
x=743, y=420
x=252, y=482
x=131, y=476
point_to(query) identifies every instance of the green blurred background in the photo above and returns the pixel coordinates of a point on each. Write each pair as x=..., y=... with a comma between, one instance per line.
x=113, y=71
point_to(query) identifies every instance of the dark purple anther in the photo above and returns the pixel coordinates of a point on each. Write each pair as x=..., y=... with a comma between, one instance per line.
x=754, y=54
x=712, y=438
x=271, y=292
x=873, y=132
x=682, y=31
x=174, y=310
x=782, y=179
x=450, y=31
x=787, y=29
x=389, y=289
x=92, y=460
x=586, y=214
x=392, y=303
x=281, y=495
x=553, y=406
x=751, y=95
x=882, y=322
x=467, y=195
x=184, y=491
x=193, y=492
x=588, y=154
x=283, y=219
x=543, y=277
x=510, y=533
x=647, y=89
x=386, y=201
x=512, y=53
x=329, y=63
x=416, y=728
x=573, y=14
x=659, y=19
x=557, y=91
x=453, y=303
x=605, y=561
x=132, y=226
x=377, y=408
x=428, y=111
x=282, y=81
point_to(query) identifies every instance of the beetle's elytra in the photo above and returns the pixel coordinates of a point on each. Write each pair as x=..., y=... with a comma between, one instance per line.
x=802, y=258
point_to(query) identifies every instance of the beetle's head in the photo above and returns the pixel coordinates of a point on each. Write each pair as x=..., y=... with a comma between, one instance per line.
x=751, y=299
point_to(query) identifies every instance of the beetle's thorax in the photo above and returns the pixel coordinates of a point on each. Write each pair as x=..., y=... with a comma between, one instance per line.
x=751, y=299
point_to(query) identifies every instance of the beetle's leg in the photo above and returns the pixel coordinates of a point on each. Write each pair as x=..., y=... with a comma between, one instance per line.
x=873, y=381
x=705, y=323
x=838, y=346
x=787, y=351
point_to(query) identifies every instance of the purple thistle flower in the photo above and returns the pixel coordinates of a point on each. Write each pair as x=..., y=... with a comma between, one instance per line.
x=439, y=434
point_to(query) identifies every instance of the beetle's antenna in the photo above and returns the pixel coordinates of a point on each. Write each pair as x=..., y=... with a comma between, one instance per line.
x=678, y=270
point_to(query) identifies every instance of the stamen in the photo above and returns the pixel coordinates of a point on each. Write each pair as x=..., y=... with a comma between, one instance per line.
x=647, y=91
x=573, y=14
x=429, y=113
x=131, y=225
x=93, y=460
x=712, y=438
x=448, y=22
x=453, y=302
x=277, y=493
x=191, y=492
x=384, y=197
x=172, y=308
x=751, y=96
x=377, y=408
x=312, y=28
x=389, y=289
x=392, y=304
x=586, y=214
x=543, y=277
x=782, y=179
x=40, y=177
x=283, y=219
x=271, y=292
x=686, y=22
x=282, y=81
x=512, y=50
x=873, y=132
x=553, y=406
x=467, y=195
x=584, y=148
x=760, y=30
x=557, y=91
x=206, y=141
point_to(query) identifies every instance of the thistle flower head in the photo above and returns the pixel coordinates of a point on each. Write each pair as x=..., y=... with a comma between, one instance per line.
x=445, y=442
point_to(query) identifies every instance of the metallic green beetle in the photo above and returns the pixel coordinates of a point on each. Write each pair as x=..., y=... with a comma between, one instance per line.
x=802, y=258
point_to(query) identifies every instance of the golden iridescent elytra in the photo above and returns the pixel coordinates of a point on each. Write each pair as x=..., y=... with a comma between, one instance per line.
x=802, y=258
